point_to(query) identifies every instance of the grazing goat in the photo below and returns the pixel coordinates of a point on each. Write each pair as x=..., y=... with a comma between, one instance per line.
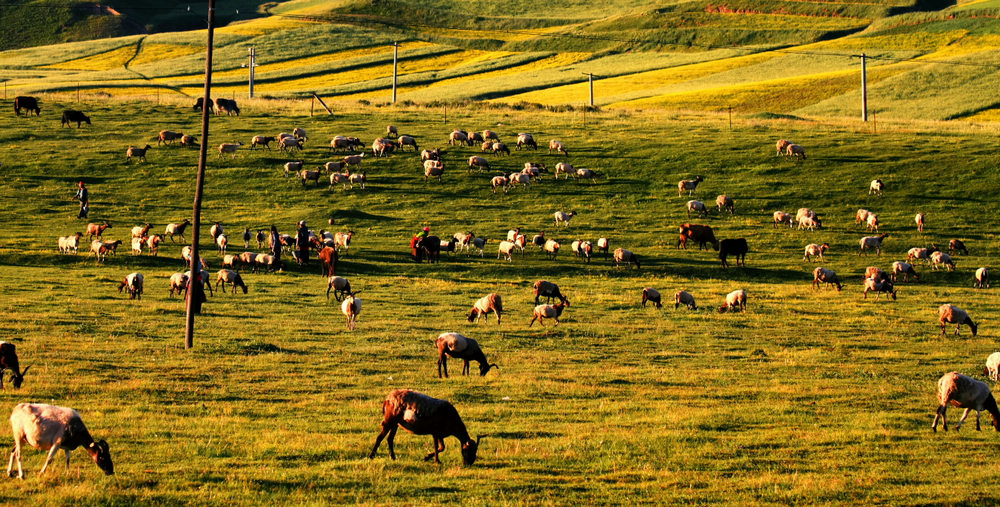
x=735, y=300
x=904, y=268
x=132, y=281
x=460, y=347
x=827, y=276
x=968, y=393
x=484, y=306
x=47, y=427
x=950, y=314
x=340, y=286
x=9, y=361
x=651, y=295
x=422, y=415
x=548, y=290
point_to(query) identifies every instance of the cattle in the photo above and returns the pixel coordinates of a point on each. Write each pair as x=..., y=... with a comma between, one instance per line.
x=29, y=104
x=70, y=116
x=735, y=247
x=701, y=233
x=226, y=106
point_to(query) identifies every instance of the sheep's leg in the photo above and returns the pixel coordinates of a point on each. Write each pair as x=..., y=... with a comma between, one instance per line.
x=10, y=462
x=942, y=416
x=465, y=368
x=67, y=459
x=962, y=420
x=52, y=452
x=977, y=421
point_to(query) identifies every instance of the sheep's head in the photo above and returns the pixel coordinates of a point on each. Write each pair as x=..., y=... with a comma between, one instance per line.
x=101, y=454
x=17, y=378
x=469, y=450
x=972, y=326
x=485, y=368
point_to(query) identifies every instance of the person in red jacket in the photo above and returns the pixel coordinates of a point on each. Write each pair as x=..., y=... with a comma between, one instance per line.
x=413, y=242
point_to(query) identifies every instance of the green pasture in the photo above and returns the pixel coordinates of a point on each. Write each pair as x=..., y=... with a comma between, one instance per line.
x=810, y=397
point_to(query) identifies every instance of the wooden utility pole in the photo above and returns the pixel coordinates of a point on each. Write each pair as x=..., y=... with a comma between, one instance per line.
x=590, y=77
x=195, y=291
x=253, y=65
x=322, y=103
x=864, y=85
x=730, y=117
x=395, y=58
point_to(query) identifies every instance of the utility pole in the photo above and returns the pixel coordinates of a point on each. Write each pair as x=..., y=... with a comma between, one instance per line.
x=196, y=291
x=253, y=65
x=395, y=58
x=864, y=85
x=591, y=81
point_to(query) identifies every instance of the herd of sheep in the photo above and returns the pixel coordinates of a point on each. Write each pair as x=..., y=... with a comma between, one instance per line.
x=50, y=427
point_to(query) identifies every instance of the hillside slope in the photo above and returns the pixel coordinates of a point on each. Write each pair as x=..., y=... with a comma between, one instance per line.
x=782, y=57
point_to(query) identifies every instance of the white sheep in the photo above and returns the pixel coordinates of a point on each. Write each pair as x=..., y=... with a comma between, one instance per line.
x=941, y=258
x=553, y=312
x=795, y=150
x=781, y=145
x=689, y=185
x=515, y=179
x=872, y=243
x=735, y=300
x=351, y=308
x=222, y=242
x=69, y=244
x=904, y=268
x=133, y=282
x=499, y=182
x=48, y=427
x=876, y=188
x=920, y=219
x=551, y=248
x=564, y=168
x=505, y=249
x=780, y=217
x=861, y=217
x=683, y=297
x=433, y=169
x=811, y=223
x=992, y=369
x=917, y=253
x=178, y=282
x=558, y=147
x=873, y=222
x=563, y=217
x=727, y=203
x=627, y=256
x=603, y=244
x=968, y=393
x=982, y=278
x=300, y=133
x=697, y=207
x=293, y=167
x=827, y=276
x=814, y=250
x=951, y=314
x=878, y=287
x=229, y=148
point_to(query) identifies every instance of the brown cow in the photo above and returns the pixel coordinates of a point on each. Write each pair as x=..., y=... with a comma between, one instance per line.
x=701, y=233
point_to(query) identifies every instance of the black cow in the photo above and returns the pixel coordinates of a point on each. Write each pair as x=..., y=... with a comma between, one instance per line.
x=8, y=361
x=29, y=104
x=226, y=106
x=200, y=103
x=735, y=247
x=70, y=116
x=428, y=248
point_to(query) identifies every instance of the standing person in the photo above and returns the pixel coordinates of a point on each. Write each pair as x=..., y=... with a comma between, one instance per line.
x=275, y=246
x=84, y=196
x=302, y=244
x=416, y=239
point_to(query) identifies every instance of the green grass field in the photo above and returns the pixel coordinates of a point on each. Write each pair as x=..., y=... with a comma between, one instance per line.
x=809, y=397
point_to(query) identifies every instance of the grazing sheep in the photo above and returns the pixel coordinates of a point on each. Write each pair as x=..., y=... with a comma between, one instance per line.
x=992, y=369
x=222, y=242
x=96, y=230
x=354, y=159
x=904, y=268
x=433, y=169
x=782, y=145
x=551, y=248
x=300, y=133
x=189, y=141
x=153, y=244
x=622, y=255
x=351, y=307
x=460, y=347
x=543, y=312
x=9, y=361
x=968, y=393
x=422, y=415
x=878, y=287
x=689, y=185
x=48, y=427
x=584, y=249
x=340, y=287
x=951, y=314
x=982, y=278
x=458, y=137
x=519, y=179
x=698, y=207
x=873, y=223
x=526, y=140
x=69, y=244
x=383, y=147
x=564, y=168
x=229, y=148
x=737, y=248
x=564, y=218
x=941, y=258
x=293, y=167
x=168, y=137
x=233, y=278
x=917, y=253
x=548, y=290
x=391, y=131
x=876, y=188
x=920, y=219
x=137, y=246
x=305, y=175
x=725, y=202
x=264, y=141
x=139, y=153
x=780, y=217
x=231, y=262
x=805, y=212
x=478, y=162
x=484, y=306
x=682, y=297
x=827, y=276
x=651, y=295
x=956, y=245
x=133, y=282
x=811, y=223
x=435, y=154
x=872, y=242
x=70, y=116
x=489, y=134
x=558, y=147
x=177, y=230
x=587, y=174
x=795, y=150
x=862, y=216
x=505, y=249
x=603, y=244
x=499, y=148
x=735, y=300
x=814, y=250
x=876, y=273
x=499, y=182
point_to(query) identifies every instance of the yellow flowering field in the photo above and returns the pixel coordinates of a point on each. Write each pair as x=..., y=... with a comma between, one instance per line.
x=261, y=26
x=152, y=53
x=987, y=116
x=504, y=35
x=104, y=61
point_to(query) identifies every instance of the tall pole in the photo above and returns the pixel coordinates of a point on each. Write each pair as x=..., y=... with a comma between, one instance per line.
x=253, y=64
x=395, y=58
x=194, y=294
x=590, y=79
x=864, y=85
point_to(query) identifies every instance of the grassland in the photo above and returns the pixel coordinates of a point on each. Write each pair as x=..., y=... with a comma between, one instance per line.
x=810, y=397
x=930, y=61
